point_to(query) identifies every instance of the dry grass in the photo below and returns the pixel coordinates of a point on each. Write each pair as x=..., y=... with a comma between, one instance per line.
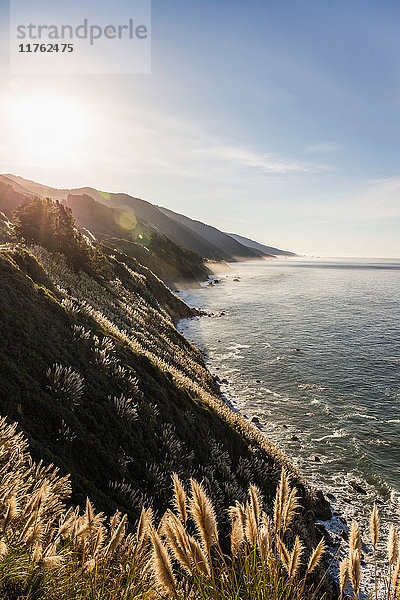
x=51, y=552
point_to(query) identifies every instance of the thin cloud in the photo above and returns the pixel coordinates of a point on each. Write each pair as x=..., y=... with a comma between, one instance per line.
x=321, y=148
x=265, y=162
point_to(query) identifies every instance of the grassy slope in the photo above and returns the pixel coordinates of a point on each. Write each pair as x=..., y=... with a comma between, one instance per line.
x=181, y=425
x=171, y=262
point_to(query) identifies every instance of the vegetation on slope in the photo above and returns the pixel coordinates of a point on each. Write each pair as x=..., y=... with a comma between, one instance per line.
x=105, y=387
x=50, y=552
x=10, y=199
x=172, y=263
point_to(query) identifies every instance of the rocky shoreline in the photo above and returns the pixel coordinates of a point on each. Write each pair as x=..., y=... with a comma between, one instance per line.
x=334, y=515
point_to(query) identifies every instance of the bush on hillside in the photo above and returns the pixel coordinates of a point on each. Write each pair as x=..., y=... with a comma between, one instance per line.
x=50, y=224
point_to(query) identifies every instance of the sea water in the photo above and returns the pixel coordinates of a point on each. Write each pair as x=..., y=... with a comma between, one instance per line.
x=312, y=349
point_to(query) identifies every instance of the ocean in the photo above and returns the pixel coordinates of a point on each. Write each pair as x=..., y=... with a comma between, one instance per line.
x=311, y=348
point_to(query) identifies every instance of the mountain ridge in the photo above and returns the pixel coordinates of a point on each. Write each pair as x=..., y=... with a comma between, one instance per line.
x=262, y=247
x=206, y=240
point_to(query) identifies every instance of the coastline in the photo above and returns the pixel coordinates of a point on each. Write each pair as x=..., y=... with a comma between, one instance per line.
x=335, y=529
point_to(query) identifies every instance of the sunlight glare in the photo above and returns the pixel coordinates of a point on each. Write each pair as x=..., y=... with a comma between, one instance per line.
x=51, y=129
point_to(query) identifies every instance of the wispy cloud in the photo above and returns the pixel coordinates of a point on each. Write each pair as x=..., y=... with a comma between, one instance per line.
x=185, y=149
x=265, y=162
x=321, y=148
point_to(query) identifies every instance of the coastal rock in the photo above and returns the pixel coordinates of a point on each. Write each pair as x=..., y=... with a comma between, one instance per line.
x=294, y=438
x=317, y=459
x=322, y=508
x=329, y=541
x=236, y=279
x=255, y=420
x=358, y=488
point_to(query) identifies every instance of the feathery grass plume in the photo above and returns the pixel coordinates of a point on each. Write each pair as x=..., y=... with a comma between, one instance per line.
x=98, y=540
x=255, y=502
x=241, y=513
x=295, y=558
x=144, y=527
x=282, y=494
x=290, y=509
x=396, y=576
x=3, y=548
x=355, y=570
x=34, y=533
x=11, y=513
x=264, y=545
x=199, y=559
x=161, y=564
x=178, y=541
x=203, y=515
x=179, y=498
x=89, y=565
x=316, y=556
x=392, y=545
x=115, y=519
x=89, y=512
x=374, y=526
x=117, y=536
x=37, y=552
x=283, y=553
x=251, y=526
x=343, y=575
x=52, y=562
x=354, y=538
x=237, y=532
x=65, y=384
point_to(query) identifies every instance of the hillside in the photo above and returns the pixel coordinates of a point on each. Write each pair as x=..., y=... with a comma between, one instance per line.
x=131, y=394
x=198, y=237
x=171, y=262
x=269, y=250
x=97, y=376
x=232, y=248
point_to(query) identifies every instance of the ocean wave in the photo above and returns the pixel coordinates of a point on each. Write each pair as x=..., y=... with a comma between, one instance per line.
x=311, y=386
x=336, y=434
x=361, y=415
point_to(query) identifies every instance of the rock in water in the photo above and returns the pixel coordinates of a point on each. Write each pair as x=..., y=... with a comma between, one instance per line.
x=357, y=487
x=322, y=508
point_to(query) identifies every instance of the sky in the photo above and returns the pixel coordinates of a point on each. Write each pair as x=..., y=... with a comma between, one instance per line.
x=275, y=119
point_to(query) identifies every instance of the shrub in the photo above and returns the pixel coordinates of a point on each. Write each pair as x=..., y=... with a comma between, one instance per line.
x=65, y=384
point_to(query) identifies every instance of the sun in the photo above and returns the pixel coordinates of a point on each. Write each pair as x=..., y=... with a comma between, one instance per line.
x=51, y=129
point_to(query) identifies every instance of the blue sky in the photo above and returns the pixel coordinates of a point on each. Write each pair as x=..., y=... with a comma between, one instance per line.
x=278, y=120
